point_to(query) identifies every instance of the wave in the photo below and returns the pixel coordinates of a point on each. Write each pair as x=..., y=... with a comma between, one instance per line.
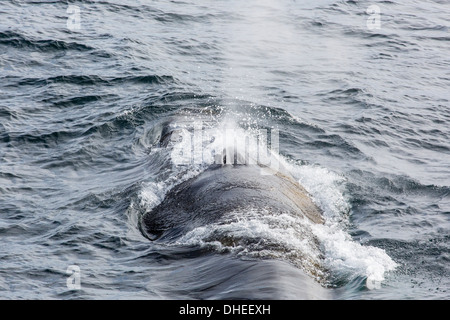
x=249, y=233
x=17, y=40
x=95, y=80
x=393, y=184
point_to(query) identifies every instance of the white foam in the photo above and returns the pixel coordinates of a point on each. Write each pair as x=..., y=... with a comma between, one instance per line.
x=351, y=259
x=282, y=235
x=343, y=255
x=260, y=234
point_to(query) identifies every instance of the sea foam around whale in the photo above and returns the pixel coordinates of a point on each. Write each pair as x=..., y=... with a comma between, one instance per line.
x=280, y=236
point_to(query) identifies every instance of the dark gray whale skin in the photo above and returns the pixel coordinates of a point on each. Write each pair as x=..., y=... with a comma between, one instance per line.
x=217, y=195
x=225, y=188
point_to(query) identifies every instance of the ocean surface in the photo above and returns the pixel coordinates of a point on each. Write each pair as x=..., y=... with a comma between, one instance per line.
x=358, y=90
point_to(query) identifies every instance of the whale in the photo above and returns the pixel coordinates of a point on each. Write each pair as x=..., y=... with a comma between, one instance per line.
x=224, y=188
x=229, y=190
x=230, y=184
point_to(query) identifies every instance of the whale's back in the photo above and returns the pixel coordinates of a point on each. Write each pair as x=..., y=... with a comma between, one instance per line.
x=222, y=189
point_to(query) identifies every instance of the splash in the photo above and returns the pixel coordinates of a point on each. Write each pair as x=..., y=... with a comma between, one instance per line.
x=320, y=250
x=343, y=256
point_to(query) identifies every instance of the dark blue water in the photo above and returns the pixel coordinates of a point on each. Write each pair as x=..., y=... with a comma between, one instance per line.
x=363, y=116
